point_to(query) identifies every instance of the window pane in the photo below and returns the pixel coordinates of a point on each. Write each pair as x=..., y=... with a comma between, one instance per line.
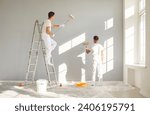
x=142, y=39
x=142, y=5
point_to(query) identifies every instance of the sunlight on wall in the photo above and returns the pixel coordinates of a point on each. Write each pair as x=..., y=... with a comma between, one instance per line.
x=62, y=69
x=82, y=69
x=65, y=47
x=108, y=55
x=129, y=45
x=72, y=43
x=83, y=57
x=129, y=12
x=109, y=23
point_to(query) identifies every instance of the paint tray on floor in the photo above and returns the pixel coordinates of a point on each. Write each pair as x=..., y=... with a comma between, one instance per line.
x=81, y=84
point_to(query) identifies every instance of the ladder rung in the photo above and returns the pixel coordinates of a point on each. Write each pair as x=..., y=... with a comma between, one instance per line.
x=34, y=56
x=51, y=65
x=31, y=71
x=34, y=50
x=36, y=41
x=32, y=64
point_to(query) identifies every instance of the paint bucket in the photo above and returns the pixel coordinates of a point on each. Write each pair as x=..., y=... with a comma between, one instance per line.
x=41, y=85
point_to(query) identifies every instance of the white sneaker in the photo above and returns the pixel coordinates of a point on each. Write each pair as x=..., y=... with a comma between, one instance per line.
x=50, y=64
x=50, y=61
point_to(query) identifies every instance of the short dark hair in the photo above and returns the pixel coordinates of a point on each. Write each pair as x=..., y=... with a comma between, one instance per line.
x=51, y=14
x=96, y=38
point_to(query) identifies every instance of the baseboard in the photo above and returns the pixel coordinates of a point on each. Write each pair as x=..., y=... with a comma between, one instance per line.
x=145, y=94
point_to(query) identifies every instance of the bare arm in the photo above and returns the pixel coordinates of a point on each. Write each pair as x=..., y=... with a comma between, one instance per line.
x=56, y=26
x=48, y=31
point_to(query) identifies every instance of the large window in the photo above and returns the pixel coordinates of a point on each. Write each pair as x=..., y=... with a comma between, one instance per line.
x=135, y=32
x=142, y=31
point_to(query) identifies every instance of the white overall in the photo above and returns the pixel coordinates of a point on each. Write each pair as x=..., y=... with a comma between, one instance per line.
x=50, y=44
x=97, y=62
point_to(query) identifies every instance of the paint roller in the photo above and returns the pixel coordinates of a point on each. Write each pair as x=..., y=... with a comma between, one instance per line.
x=85, y=44
x=70, y=17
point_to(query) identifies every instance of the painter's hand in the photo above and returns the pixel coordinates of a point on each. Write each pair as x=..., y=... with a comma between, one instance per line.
x=53, y=35
x=88, y=50
x=62, y=25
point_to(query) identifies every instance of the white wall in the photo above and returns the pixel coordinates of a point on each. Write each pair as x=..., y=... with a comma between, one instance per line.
x=17, y=19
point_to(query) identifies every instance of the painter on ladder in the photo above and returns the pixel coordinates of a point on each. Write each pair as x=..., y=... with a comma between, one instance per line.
x=48, y=35
x=97, y=54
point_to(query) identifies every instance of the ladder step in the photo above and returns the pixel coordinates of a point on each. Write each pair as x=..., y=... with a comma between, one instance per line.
x=32, y=64
x=51, y=66
x=36, y=41
x=34, y=56
x=34, y=50
x=31, y=71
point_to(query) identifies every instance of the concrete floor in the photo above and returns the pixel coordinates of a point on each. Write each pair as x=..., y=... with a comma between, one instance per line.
x=105, y=90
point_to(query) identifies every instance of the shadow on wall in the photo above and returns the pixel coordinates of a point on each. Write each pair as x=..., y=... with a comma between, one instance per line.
x=71, y=62
x=73, y=53
x=91, y=18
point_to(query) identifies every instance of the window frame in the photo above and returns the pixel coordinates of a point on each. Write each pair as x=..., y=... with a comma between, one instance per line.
x=142, y=32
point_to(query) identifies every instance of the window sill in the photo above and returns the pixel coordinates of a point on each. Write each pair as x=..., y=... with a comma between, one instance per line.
x=136, y=66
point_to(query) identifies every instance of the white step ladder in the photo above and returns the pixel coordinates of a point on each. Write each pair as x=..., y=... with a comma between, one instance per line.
x=36, y=45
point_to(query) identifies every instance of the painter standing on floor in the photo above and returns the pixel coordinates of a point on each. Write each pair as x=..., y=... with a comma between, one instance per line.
x=97, y=55
x=47, y=36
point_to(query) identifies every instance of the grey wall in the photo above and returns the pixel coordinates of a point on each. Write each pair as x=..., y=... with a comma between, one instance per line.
x=16, y=23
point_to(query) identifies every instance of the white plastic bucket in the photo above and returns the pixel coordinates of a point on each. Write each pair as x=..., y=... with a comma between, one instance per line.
x=41, y=86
